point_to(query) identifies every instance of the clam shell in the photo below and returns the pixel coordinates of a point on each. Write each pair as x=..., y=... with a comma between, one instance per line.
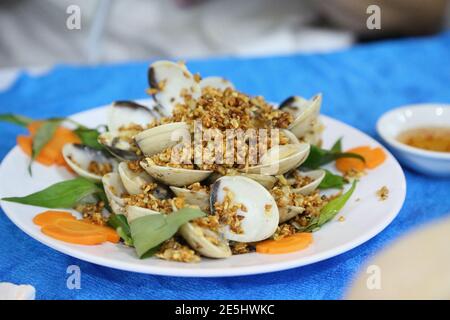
x=134, y=212
x=281, y=159
x=305, y=113
x=155, y=140
x=289, y=212
x=195, y=198
x=114, y=189
x=133, y=181
x=266, y=181
x=125, y=113
x=316, y=175
x=171, y=80
x=177, y=177
x=197, y=238
x=261, y=216
x=79, y=156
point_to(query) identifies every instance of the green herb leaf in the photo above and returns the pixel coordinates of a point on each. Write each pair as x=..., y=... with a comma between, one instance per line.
x=318, y=157
x=330, y=210
x=65, y=194
x=16, y=119
x=337, y=146
x=332, y=180
x=150, y=231
x=42, y=137
x=120, y=223
x=89, y=137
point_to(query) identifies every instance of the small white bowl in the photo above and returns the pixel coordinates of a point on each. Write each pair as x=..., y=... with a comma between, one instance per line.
x=392, y=123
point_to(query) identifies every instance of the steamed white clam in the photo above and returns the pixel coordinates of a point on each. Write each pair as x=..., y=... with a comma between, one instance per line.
x=305, y=113
x=114, y=189
x=135, y=212
x=281, y=159
x=171, y=81
x=81, y=158
x=157, y=139
x=122, y=116
x=172, y=176
x=316, y=177
x=205, y=241
x=198, y=198
x=216, y=83
x=260, y=217
x=133, y=181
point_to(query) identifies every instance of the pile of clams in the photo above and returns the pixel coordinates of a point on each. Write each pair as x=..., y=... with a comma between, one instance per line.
x=130, y=138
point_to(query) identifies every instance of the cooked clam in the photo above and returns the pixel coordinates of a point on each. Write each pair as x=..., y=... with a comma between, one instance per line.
x=133, y=181
x=155, y=140
x=134, y=212
x=172, y=81
x=305, y=113
x=316, y=177
x=281, y=159
x=88, y=162
x=114, y=190
x=205, y=241
x=198, y=198
x=123, y=120
x=171, y=176
x=258, y=208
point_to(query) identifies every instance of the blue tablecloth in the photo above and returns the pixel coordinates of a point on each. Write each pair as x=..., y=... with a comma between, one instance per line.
x=358, y=86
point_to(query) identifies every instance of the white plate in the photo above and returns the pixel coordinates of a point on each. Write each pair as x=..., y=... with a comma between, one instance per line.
x=363, y=219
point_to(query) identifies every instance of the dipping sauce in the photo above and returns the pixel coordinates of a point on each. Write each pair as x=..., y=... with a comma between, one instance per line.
x=428, y=138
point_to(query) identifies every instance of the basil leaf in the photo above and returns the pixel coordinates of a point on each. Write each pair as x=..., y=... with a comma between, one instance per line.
x=332, y=180
x=89, y=137
x=63, y=194
x=318, y=157
x=330, y=210
x=120, y=223
x=150, y=231
x=337, y=146
x=43, y=135
x=16, y=119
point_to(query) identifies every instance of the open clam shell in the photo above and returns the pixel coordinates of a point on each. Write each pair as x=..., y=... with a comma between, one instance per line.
x=133, y=181
x=216, y=82
x=81, y=157
x=260, y=216
x=289, y=212
x=114, y=190
x=305, y=113
x=157, y=139
x=281, y=159
x=171, y=176
x=196, y=198
x=205, y=241
x=134, y=212
x=316, y=175
x=172, y=81
x=121, y=115
x=266, y=181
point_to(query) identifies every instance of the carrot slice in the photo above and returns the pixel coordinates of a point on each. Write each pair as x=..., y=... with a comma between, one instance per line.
x=25, y=143
x=52, y=151
x=295, y=242
x=62, y=225
x=373, y=158
x=73, y=236
x=48, y=217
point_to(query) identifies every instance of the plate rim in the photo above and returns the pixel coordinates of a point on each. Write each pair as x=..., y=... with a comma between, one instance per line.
x=223, y=272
